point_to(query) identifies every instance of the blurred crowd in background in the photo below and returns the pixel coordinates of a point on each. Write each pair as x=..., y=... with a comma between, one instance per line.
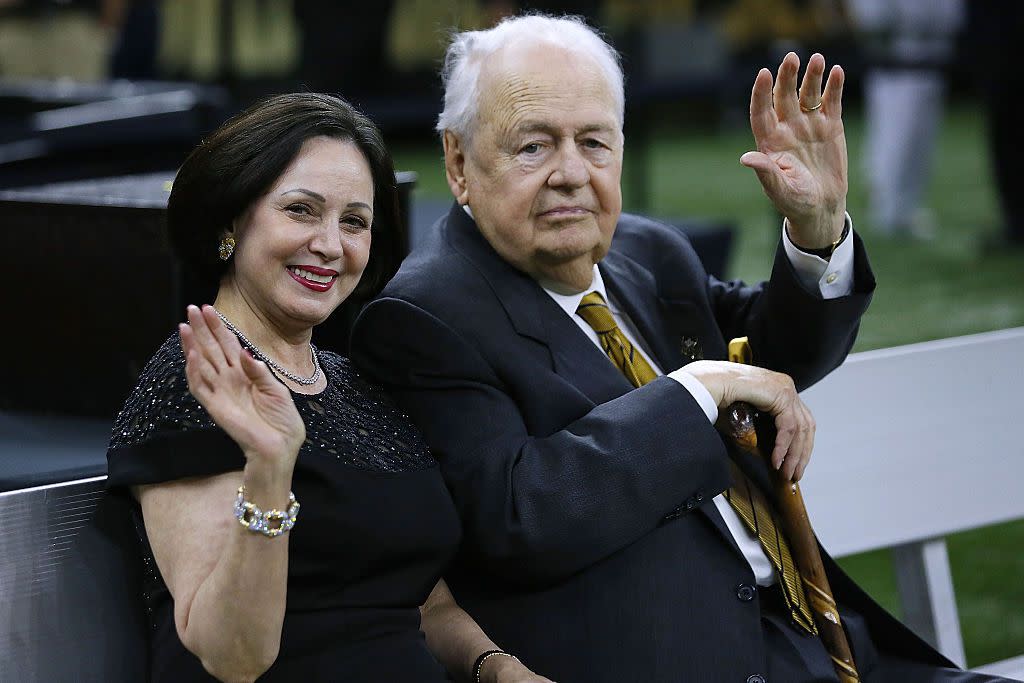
x=365, y=46
x=905, y=58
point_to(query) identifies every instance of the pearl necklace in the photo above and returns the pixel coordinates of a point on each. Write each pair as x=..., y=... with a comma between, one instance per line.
x=304, y=381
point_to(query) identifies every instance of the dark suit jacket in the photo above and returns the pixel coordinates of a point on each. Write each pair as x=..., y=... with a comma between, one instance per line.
x=592, y=549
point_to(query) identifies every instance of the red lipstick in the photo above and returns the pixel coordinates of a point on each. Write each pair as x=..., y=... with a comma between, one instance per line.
x=314, y=270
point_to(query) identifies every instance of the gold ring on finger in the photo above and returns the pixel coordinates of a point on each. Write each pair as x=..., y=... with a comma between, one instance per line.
x=810, y=109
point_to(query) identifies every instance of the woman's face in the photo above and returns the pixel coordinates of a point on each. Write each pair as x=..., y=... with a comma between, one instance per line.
x=302, y=247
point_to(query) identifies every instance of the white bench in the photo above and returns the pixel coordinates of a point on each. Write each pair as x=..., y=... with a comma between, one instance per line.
x=70, y=580
x=915, y=443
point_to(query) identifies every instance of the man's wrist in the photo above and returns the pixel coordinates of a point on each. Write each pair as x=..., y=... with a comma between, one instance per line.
x=824, y=252
x=490, y=665
x=701, y=394
x=820, y=235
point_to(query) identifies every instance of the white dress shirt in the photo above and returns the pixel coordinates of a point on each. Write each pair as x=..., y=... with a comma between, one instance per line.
x=833, y=278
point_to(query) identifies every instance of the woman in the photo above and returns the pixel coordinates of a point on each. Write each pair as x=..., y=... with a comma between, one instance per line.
x=289, y=209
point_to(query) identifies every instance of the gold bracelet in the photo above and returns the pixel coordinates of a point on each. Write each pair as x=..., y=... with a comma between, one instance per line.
x=822, y=252
x=270, y=522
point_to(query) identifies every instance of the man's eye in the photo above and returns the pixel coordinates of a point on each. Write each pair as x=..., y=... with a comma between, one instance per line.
x=593, y=143
x=531, y=148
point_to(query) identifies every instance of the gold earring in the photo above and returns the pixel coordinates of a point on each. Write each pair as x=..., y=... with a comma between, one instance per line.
x=226, y=248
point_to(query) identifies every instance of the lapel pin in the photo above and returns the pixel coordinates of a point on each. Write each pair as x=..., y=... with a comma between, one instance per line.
x=690, y=348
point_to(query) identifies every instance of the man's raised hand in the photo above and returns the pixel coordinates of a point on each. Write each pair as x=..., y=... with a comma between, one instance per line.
x=801, y=158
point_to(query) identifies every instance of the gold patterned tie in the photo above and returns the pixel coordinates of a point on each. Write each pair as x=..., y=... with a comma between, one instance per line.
x=748, y=501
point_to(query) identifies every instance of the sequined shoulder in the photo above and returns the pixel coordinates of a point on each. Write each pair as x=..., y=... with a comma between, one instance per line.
x=355, y=422
x=160, y=400
x=352, y=421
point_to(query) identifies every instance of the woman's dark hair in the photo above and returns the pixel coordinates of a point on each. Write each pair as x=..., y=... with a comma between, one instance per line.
x=240, y=161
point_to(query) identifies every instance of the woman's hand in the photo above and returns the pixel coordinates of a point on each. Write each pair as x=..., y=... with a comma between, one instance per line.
x=239, y=392
x=770, y=392
x=801, y=157
x=456, y=640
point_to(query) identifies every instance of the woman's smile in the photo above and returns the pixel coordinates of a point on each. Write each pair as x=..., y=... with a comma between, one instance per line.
x=315, y=278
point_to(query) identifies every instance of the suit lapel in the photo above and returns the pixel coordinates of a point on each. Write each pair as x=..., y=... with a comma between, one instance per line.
x=635, y=290
x=710, y=510
x=574, y=357
x=535, y=315
x=582, y=363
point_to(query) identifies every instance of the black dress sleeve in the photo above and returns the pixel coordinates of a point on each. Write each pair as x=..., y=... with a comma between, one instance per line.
x=163, y=433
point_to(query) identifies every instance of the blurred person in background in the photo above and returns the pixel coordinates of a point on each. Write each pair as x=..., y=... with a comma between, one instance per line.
x=136, y=25
x=994, y=32
x=288, y=211
x=50, y=39
x=344, y=46
x=909, y=45
x=496, y=10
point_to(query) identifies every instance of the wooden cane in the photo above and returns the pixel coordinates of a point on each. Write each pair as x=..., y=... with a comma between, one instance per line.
x=740, y=417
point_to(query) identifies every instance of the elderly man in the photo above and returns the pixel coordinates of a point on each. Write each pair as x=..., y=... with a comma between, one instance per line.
x=607, y=536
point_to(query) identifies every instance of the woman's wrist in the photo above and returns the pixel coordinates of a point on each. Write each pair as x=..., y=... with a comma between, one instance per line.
x=268, y=484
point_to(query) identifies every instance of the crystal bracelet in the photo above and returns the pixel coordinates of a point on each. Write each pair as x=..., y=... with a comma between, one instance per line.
x=270, y=522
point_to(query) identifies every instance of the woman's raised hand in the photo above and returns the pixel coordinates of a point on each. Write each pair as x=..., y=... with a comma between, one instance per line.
x=239, y=392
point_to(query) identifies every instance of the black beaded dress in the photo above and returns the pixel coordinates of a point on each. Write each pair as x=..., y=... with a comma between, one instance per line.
x=376, y=529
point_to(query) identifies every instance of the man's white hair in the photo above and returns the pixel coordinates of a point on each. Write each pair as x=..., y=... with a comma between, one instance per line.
x=468, y=50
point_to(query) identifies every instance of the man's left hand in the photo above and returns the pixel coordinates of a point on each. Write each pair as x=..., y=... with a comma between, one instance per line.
x=801, y=157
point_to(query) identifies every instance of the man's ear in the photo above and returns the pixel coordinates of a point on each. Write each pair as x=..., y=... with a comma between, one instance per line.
x=455, y=167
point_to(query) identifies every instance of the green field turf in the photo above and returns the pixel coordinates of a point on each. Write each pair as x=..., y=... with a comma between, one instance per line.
x=926, y=290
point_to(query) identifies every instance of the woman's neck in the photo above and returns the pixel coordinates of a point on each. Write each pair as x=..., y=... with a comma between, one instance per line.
x=288, y=346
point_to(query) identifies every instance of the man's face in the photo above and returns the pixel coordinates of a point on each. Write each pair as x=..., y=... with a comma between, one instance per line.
x=541, y=173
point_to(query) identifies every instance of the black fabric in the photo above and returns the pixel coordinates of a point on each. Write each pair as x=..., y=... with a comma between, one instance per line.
x=36, y=450
x=792, y=655
x=592, y=549
x=901, y=670
x=377, y=524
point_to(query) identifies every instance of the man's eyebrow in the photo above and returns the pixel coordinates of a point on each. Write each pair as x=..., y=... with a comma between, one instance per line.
x=359, y=205
x=597, y=128
x=315, y=195
x=544, y=127
x=528, y=127
x=532, y=126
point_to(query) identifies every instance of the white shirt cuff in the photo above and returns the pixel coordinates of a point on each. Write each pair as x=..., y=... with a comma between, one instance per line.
x=700, y=394
x=833, y=278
